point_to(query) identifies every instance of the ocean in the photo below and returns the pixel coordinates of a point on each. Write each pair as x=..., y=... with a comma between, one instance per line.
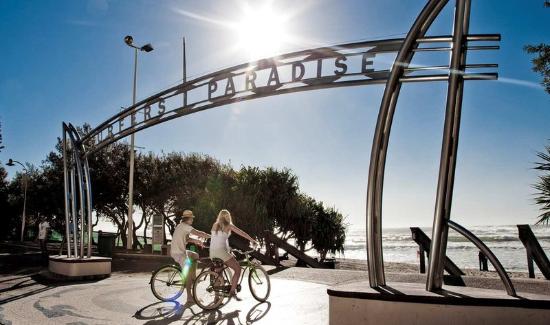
x=398, y=246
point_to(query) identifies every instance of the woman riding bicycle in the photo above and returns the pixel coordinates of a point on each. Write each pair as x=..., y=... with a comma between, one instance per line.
x=179, y=252
x=219, y=246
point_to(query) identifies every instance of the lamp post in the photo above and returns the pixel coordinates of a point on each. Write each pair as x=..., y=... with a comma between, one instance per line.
x=129, y=40
x=25, y=183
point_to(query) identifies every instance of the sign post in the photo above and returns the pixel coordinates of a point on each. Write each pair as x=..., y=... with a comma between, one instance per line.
x=158, y=234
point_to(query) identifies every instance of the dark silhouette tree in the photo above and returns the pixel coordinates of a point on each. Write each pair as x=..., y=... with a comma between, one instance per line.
x=543, y=186
x=541, y=63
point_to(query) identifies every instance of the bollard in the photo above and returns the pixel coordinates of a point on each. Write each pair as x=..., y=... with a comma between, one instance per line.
x=483, y=262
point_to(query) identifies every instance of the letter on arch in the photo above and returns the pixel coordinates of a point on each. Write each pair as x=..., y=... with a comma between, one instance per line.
x=162, y=107
x=273, y=77
x=340, y=65
x=250, y=77
x=230, y=88
x=212, y=87
x=366, y=64
x=296, y=66
x=147, y=113
x=120, y=124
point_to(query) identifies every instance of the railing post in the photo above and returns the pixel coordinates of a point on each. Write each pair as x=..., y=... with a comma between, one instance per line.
x=422, y=255
x=530, y=265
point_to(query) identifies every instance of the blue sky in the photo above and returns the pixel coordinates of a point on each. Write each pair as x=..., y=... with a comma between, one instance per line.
x=66, y=61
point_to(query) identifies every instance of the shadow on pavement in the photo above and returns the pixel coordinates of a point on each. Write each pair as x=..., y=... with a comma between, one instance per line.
x=30, y=282
x=26, y=294
x=162, y=313
x=277, y=270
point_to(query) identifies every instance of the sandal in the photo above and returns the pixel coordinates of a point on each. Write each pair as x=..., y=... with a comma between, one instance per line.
x=234, y=296
x=189, y=303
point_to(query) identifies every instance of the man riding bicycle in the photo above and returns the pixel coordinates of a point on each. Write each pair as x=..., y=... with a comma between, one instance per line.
x=181, y=255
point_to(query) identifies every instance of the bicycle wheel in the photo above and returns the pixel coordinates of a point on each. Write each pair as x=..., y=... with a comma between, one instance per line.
x=209, y=289
x=258, y=281
x=167, y=283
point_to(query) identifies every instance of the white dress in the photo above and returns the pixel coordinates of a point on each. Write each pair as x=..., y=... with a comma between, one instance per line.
x=219, y=245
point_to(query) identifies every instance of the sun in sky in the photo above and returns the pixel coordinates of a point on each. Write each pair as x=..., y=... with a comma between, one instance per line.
x=262, y=31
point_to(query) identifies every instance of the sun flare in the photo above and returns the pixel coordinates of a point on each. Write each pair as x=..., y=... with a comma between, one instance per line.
x=262, y=32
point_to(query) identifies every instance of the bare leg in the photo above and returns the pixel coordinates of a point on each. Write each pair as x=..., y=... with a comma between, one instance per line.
x=191, y=275
x=234, y=265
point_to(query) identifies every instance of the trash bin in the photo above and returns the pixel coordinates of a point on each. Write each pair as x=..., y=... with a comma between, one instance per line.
x=165, y=249
x=330, y=263
x=106, y=244
x=148, y=248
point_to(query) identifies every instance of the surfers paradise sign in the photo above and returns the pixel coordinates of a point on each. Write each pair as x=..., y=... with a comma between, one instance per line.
x=385, y=62
x=337, y=66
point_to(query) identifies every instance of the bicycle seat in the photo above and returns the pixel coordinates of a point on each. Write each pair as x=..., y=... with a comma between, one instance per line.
x=217, y=263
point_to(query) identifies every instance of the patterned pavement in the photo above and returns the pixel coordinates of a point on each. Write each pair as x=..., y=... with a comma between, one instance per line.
x=127, y=299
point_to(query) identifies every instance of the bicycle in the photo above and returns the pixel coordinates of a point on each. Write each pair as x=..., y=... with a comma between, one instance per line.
x=168, y=281
x=212, y=285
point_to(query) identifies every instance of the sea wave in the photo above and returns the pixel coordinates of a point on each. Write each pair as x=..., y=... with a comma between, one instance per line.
x=398, y=245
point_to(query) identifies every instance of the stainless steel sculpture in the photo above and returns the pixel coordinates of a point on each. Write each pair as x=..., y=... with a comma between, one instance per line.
x=302, y=71
x=487, y=252
x=77, y=180
x=449, y=148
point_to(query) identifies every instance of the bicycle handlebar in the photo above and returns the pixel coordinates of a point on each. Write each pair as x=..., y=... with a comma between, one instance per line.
x=242, y=252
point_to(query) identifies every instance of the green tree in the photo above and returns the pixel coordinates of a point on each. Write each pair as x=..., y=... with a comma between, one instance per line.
x=259, y=199
x=9, y=218
x=329, y=231
x=541, y=63
x=279, y=189
x=305, y=214
x=109, y=176
x=543, y=187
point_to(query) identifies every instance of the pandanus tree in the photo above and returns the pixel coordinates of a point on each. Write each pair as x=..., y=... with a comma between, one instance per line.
x=259, y=198
x=543, y=186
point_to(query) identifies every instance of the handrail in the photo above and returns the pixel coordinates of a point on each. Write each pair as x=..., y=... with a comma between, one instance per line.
x=534, y=252
x=494, y=260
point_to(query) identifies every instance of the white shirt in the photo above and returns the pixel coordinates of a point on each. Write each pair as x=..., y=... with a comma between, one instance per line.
x=219, y=241
x=43, y=229
x=179, y=239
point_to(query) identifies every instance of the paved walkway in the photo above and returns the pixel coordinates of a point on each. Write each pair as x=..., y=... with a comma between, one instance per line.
x=127, y=299
x=299, y=295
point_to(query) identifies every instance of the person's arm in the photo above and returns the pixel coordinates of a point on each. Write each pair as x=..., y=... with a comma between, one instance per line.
x=200, y=233
x=196, y=242
x=242, y=234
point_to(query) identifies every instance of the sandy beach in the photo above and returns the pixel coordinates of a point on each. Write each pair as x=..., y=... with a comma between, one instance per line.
x=395, y=267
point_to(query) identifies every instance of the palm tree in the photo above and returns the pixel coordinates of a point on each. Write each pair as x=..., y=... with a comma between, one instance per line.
x=543, y=186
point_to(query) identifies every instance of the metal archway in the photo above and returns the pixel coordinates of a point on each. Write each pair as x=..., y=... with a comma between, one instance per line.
x=354, y=65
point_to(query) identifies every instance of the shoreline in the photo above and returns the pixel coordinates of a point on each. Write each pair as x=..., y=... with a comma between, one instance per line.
x=407, y=268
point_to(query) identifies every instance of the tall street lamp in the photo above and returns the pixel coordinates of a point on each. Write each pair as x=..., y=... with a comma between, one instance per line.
x=129, y=40
x=25, y=182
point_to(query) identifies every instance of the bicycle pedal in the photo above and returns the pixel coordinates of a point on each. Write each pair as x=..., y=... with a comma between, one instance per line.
x=238, y=288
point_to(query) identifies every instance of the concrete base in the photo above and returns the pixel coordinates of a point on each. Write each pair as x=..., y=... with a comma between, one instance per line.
x=409, y=303
x=77, y=267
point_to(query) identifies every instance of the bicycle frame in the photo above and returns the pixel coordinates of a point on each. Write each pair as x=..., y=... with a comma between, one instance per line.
x=245, y=265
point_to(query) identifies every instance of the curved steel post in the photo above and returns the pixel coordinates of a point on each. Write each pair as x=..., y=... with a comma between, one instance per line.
x=80, y=216
x=73, y=208
x=449, y=147
x=381, y=140
x=483, y=248
x=66, y=187
x=88, y=204
x=88, y=189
